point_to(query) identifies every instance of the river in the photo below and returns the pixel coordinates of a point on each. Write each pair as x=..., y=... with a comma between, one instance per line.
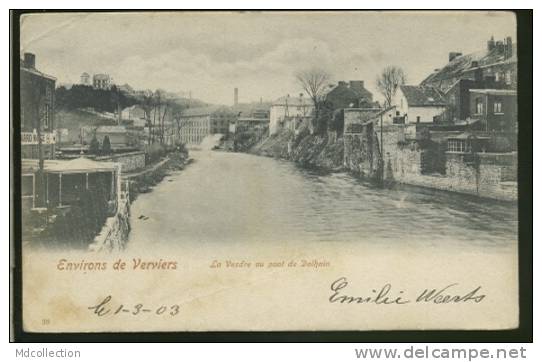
x=237, y=198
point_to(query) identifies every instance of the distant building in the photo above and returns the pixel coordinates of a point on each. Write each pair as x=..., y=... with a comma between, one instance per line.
x=134, y=115
x=287, y=108
x=85, y=79
x=37, y=110
x=101, y=81
x=418, y=104
x=197, y=123
x=498, y=60
x=258, y=119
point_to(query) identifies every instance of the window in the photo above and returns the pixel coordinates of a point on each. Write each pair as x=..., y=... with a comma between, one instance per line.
x=417, y=119
x=456, y=146
x=497, y=107
x=497, y=76
x=479, y=106
x=508, y=77
x=45, y=117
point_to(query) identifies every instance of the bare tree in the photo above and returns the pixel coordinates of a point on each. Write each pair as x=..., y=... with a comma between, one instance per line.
x=147, y=105
x=314, y=82
x=177, y=110
x=391, y=78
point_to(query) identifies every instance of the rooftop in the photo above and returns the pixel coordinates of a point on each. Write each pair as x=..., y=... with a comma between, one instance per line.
x=37, y=72
x=111, y=129
x=78, y=165
x=496, y=92
x=293, y=101
x=471, y=61
x=205, y=111
x=422, y=96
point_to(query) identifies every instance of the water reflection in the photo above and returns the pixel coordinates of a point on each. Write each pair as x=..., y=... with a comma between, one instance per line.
x=228, y=197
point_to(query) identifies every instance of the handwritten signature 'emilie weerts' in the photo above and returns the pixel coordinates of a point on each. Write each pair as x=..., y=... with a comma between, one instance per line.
x=386, y=296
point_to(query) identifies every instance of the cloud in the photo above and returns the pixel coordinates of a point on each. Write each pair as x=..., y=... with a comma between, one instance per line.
x=211, y=53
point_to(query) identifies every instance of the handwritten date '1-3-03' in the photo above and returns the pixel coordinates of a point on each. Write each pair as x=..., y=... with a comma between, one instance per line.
x=107, y=308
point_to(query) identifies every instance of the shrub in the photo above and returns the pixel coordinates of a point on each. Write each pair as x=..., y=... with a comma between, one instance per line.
x=155, y=151
x=106, y=146
x=94, y=147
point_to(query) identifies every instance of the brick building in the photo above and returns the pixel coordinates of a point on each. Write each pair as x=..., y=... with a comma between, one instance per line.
x=497, y=109
x=37, y=110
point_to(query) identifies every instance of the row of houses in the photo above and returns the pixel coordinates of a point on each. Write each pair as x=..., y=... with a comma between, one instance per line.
x=456, y=130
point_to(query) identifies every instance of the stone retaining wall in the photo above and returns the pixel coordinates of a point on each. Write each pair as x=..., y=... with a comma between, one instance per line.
x=130, y=161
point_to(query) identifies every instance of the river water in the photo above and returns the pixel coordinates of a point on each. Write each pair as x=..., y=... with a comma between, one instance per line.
x=237, y=198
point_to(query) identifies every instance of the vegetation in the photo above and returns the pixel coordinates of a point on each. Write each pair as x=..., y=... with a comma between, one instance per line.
x=101, y=100
x=155, y=152
x=81, y=224
x=94, y=147
x=106, y=146
x=391, y=78
x=314, y=82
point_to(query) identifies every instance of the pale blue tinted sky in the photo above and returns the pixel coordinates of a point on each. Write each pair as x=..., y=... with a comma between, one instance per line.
x=211, y=53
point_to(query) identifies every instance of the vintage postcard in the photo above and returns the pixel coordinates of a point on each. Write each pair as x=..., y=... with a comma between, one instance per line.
x=268, y=171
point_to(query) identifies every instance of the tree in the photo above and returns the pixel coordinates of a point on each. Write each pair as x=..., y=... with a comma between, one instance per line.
x=94, y=147
x=391, y=78
x=106, y=146
x=314, y=82
x=177, y=110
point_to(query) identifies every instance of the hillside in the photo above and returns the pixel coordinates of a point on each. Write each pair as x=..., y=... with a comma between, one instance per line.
x=317, y=151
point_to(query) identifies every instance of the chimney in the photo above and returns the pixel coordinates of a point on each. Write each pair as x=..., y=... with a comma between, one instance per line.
x=490, y=44
x=356, y=84
x=235, y=96
x=478, y=75
x=499, y=45
x=29, y=60
x=342, y=83
x=508, y=48
x=453, y=55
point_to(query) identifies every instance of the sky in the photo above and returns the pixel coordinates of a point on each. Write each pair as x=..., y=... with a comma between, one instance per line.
x=210, y=53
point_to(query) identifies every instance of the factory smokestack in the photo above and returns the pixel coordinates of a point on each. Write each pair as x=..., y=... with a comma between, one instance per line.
x=235, y=96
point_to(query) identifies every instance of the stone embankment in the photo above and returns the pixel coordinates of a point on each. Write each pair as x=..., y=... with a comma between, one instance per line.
x=115, y=232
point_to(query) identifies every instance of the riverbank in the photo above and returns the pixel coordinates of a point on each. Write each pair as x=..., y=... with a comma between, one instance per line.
x=326, y=152
x=322, y=152
x=115, y=231
x=143, y=181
